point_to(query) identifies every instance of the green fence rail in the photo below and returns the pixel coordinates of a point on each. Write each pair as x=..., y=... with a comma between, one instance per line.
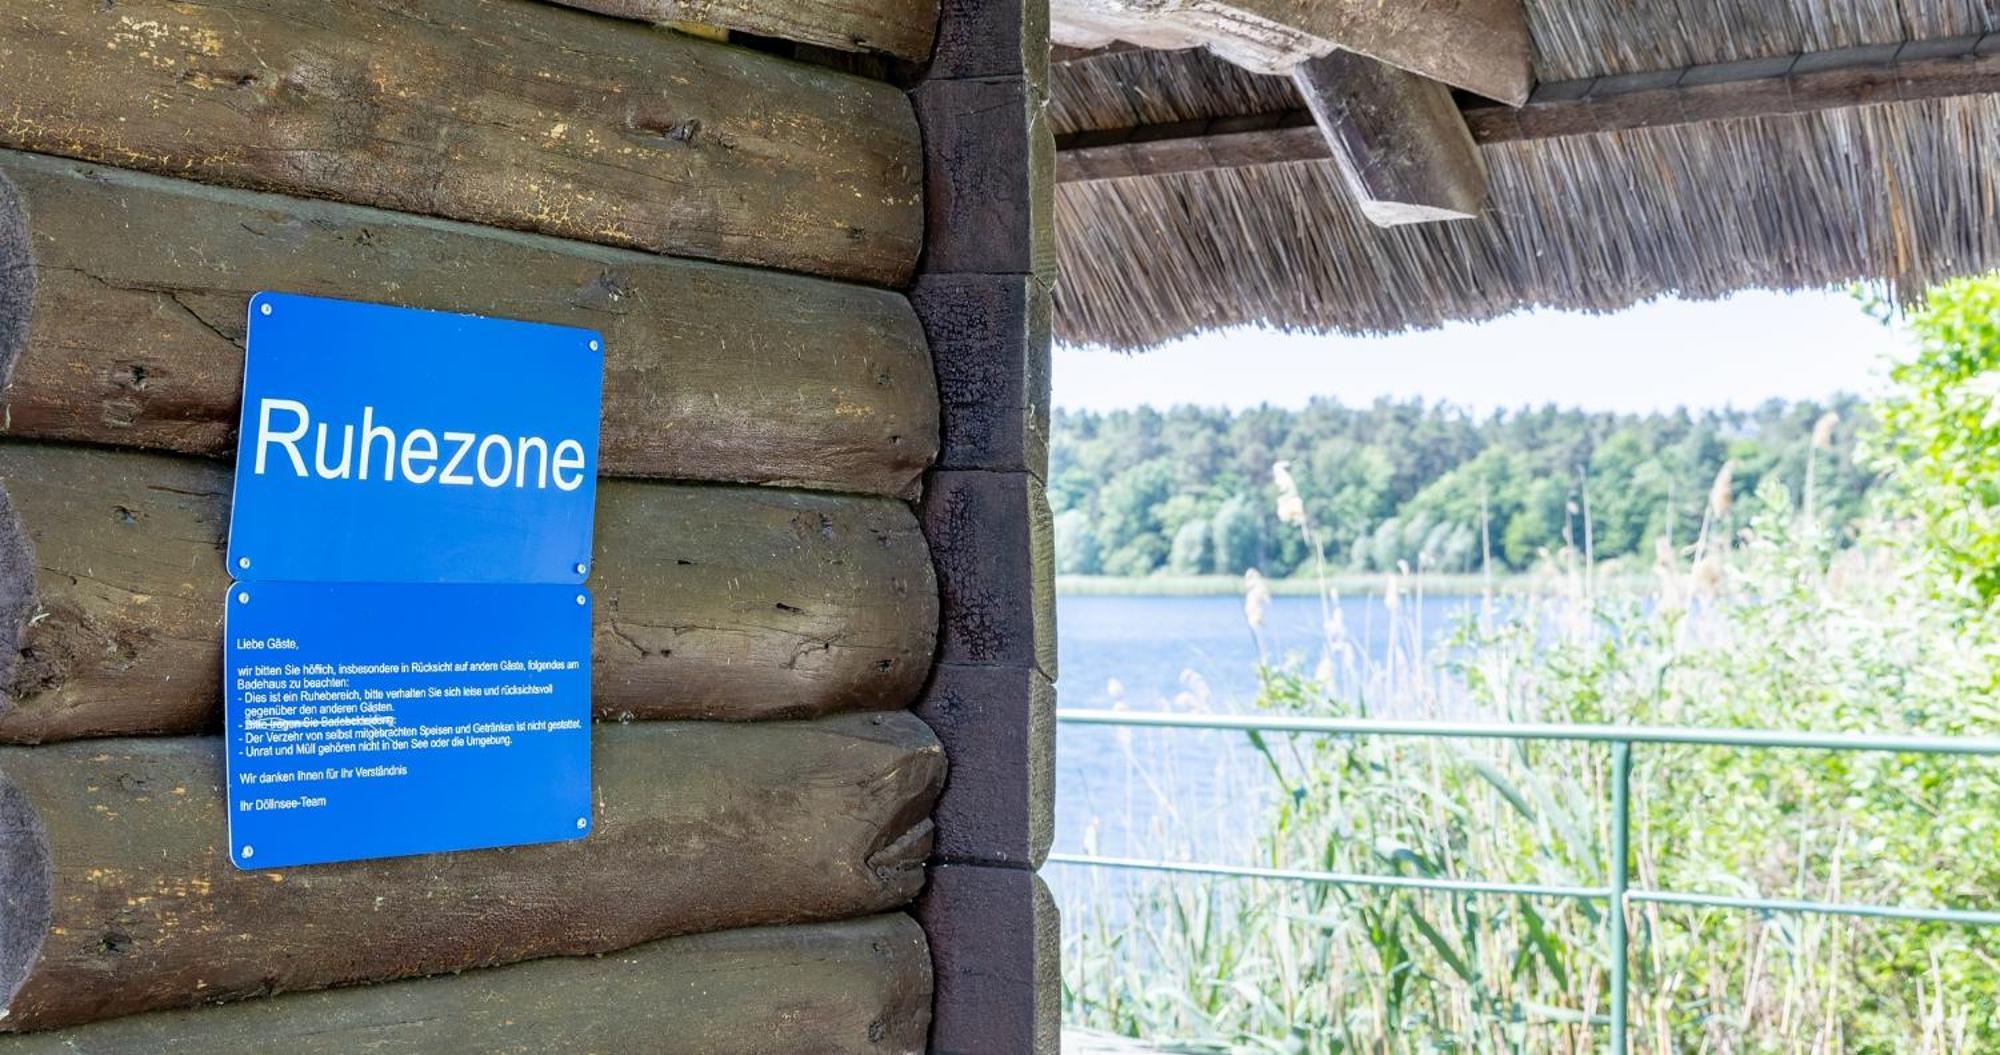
x=1619, y=894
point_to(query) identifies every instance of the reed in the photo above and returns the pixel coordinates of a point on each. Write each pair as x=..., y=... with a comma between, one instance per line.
x=1766, y=624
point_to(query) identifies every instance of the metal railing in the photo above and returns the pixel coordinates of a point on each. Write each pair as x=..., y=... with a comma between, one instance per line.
x=1619, y=892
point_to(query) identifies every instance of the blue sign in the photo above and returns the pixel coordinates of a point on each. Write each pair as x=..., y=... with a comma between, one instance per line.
x=376, y=720
x=383, y=444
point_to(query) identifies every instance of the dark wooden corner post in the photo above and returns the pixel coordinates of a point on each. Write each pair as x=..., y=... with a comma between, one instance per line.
x=984, y=298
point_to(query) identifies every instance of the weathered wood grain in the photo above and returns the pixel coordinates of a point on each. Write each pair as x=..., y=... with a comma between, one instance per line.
x=699, y=827
x=710, y=602
x=992, y=539
x=993, y=38
x=989, y=337
x=998, y=728
x=1397, y=138
x=17, y=276
x=1482, y=46
x=904, y=29
x=711, y=373
x=996, y=952
x=501, y=112
x=1811, y=82
x=989, y=178
x=855, y=988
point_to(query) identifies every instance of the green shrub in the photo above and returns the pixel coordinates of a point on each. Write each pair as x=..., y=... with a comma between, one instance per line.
x=1940, y=437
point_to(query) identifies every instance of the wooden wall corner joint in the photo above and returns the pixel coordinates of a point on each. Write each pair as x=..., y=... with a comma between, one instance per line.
x=17, y=278
x=991, y=538
x=25, y=912
x=993, y=38
x=995, y=946
x=997, y=725
x=989, y=337
x=983, y=296
x=989, y=178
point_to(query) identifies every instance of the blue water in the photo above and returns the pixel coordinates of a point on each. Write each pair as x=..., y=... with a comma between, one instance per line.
x=1168, y=793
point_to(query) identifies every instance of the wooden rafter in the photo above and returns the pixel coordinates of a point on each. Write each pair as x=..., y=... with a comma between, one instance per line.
x=1794, y=84
x=1481, y=46
x=1399, y=140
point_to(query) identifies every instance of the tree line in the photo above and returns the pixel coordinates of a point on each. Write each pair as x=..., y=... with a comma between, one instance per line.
x=1404, y=483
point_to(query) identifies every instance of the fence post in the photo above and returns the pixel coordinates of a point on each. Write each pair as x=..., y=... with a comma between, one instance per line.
x=1621, y=879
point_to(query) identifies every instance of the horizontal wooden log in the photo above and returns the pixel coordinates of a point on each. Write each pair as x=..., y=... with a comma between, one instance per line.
x=855, y=988
x=710, y=602
x=500, y=112
x=1792, y=84
x=989, y=336
x=699, y=827
x=904, y=29
x=996, y=952
x=991, y=537
x=998, y=728
x=711, y=373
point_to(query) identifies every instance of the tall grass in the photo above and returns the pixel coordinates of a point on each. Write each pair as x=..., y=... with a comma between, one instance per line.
x=1763, y=623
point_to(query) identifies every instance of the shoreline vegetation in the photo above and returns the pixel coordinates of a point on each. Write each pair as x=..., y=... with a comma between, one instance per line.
x=1758, y=607
x=1346, y=584
x=1427, y=488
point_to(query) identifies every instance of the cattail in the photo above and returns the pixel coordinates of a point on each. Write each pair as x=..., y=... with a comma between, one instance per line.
x=1281, y=474
x=1707, y=574
x=1822, y=436
x=1256, y=598
x=1721, y=495
x=1291, y=508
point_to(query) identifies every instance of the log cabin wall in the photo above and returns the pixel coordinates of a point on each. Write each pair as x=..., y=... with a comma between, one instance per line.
x=984, y=294
x=746, y=231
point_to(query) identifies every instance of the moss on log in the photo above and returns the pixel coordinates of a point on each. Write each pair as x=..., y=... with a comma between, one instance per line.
x=699, y=827
x=500, y=112
x=711, y=373
x=855, y=988
x=710, y=602
x=904, y=29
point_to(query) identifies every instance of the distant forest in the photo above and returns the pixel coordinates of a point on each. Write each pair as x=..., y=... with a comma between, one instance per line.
x=1189, y=491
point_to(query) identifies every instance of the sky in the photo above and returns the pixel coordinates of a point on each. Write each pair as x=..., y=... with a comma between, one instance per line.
x=1670, y=353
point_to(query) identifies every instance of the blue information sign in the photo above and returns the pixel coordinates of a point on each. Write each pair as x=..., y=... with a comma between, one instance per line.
x=407, y=644
x=383, y=444
x=376, y=720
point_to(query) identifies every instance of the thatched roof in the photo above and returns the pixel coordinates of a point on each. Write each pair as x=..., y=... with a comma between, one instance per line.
x=1901, y=193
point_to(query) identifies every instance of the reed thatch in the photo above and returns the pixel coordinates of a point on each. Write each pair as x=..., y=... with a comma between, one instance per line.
x=1900, y=194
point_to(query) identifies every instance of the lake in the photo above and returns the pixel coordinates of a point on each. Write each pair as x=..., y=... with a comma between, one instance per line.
x=1190, y=794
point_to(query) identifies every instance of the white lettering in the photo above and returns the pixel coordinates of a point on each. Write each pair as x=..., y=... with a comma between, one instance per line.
x=371, y=431
x=500, y=444
x=451, y=475
x=346, y=453
x=569, y=455
x=289, y=440
x=497, y=460
x=541, y=446
x=411, y=454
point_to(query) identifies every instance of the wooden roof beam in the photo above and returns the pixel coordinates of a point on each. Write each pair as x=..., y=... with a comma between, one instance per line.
x=1793, y=84
x=1400, y=142
x=1481, y=46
